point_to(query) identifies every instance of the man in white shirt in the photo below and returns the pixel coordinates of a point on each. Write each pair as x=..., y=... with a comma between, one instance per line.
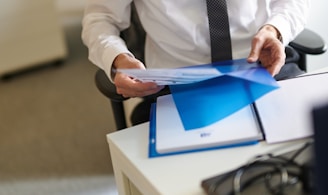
x=177, y=34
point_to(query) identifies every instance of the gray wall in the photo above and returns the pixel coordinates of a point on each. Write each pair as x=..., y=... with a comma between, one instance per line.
x=317, y=22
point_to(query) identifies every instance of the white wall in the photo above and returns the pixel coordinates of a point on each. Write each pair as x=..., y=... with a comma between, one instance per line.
x=316, y=22
x=70, y=5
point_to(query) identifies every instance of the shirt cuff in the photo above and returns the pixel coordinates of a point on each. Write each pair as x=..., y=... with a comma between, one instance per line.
x=113, y=48
x=283, y=27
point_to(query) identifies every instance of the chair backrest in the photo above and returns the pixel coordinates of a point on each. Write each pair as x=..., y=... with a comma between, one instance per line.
x=135, y=35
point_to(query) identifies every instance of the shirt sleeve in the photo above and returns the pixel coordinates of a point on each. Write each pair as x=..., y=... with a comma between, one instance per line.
x=101, y=25
x=289, y=17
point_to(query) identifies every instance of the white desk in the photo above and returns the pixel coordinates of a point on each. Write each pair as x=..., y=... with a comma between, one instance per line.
x=135, y=173
x=178, y=174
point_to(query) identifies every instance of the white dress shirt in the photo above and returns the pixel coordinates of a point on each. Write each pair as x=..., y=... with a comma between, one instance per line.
x=177, y=30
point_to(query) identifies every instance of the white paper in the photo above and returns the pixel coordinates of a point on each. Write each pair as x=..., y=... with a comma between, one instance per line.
x=286, y=112
x=172, y=76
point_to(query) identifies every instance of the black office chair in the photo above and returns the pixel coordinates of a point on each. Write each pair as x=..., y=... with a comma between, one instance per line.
x=307, y=42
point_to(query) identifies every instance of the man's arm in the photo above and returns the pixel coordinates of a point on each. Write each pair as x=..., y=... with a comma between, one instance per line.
x=289, y=17
x=286, y=22
x=102, y=22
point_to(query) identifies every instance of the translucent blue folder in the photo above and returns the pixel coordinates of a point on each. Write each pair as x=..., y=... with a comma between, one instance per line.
x=239, y=84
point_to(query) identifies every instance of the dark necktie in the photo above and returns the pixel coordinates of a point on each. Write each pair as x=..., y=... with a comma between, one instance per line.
x=219, y=30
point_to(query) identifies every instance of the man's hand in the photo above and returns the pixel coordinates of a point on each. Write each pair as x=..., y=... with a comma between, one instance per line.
x=268, y=49
x=127, y=86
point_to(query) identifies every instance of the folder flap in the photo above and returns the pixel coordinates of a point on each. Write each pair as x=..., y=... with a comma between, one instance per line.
x=203, y=103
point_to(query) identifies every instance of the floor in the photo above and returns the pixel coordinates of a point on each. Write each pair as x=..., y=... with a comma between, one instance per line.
x=53, y=126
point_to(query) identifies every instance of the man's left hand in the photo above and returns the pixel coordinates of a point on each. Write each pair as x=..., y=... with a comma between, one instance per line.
x=268, y=49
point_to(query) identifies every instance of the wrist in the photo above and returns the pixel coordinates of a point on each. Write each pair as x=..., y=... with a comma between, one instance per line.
x=121, y=59
x=273, y=30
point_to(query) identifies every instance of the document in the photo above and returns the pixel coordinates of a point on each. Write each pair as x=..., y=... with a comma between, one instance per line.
x=172, y=76
x=285, y=113
x=189, y=74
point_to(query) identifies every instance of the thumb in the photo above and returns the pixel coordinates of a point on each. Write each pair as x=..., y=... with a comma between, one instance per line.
x=254, y=53
x=256, y=48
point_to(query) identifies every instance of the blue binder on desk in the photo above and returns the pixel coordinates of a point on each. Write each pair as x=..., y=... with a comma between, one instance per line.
x=172, y=139
x=210, y=114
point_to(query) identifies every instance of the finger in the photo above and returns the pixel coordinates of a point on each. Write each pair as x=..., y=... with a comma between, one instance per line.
x=274, y=67
x=273, y=70
x=142, y=93
x=279, y=61
x=132, y=88
x=255, y=50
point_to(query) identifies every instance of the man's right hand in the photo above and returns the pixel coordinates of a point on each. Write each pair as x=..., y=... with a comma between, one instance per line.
x=127, y=86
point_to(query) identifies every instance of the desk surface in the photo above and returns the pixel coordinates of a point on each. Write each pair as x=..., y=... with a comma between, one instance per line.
x=178, y=174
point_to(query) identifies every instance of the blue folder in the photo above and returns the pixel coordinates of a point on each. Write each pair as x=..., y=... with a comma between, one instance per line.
x=203, y=103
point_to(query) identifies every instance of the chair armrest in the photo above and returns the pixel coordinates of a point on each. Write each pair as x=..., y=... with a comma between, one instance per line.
x=106, y=87
x=309, y=42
